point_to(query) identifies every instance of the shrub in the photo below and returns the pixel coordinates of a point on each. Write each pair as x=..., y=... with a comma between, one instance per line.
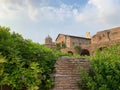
x=104, y=71
x=27, y=64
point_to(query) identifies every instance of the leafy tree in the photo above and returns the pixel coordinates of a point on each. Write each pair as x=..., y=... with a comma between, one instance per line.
x=2, y=60
x=26, y=64
x=58, y=47
x=63, y=45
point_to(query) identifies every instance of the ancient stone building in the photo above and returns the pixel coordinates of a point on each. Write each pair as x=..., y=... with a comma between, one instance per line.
x=103, y=39
x=72, y=41
x=49, y=43
x=100, y=40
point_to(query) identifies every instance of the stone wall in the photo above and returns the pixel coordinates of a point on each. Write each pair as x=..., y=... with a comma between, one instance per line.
x=106, y=36
x=67, y=50
x=67, y=72
x=51, y=45
x=72, y=41
x=75, y=41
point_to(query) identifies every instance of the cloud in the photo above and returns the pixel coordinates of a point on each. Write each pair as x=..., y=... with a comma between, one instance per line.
x=107, y=9
x=32, y=10
x=100, y=11
x=8, y=9
x=57, y=14
x=13, y=9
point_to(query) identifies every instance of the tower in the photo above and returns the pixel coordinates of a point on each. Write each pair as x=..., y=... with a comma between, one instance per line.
x=88, y=35
x=48, y=40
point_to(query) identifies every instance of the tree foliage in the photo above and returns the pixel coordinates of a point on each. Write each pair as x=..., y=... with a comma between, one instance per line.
x=63, y=45
x=104, y=71
x=58, y=47
x=25, y=63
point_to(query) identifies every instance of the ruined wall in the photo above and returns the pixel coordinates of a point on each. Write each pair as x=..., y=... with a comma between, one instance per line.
x=51, y=45
x=67, y=72
x=115, y=34
x=106, y=36
x=66, y=50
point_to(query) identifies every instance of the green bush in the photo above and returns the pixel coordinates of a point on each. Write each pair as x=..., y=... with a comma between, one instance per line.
x=104, y=73
x=26, y=64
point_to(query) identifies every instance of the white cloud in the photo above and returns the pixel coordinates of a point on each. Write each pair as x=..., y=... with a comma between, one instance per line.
x=85, y=15
x=107, y=9
x=50, y=13
x=9, y=9
x=13, y=9
x=31, y=10
x=102, y=11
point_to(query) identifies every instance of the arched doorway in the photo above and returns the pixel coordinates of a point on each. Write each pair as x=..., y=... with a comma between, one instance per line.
x=84, y=52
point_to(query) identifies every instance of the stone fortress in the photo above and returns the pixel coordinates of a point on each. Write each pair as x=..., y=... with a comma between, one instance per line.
x=100, y=40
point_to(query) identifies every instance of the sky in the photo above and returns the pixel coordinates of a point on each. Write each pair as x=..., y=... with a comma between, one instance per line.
x=36, y=19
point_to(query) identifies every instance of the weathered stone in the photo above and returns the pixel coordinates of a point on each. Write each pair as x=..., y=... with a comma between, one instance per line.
x=67, y=72
x=102, y=39
x=106, y=36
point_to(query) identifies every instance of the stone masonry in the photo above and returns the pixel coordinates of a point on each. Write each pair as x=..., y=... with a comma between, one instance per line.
x=104, y=38
x=71, y=41
x=67, y=72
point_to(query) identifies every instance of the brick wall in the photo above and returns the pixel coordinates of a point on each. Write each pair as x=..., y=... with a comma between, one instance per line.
x=67, y=72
